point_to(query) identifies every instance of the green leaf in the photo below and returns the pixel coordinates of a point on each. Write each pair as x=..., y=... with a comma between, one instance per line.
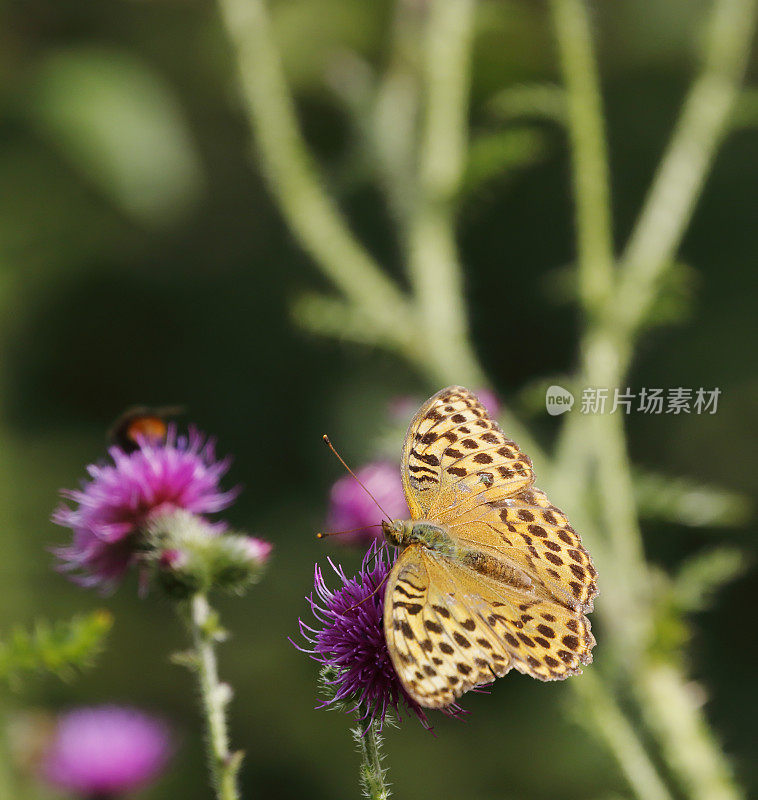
x=701, y=576
x=539, y=100
x=496, y=153
x=60, y=648
x=115, y=119
x=691, y=589
x=687, y=502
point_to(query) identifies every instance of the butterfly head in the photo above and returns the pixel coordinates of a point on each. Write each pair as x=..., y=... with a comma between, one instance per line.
x=397, y=532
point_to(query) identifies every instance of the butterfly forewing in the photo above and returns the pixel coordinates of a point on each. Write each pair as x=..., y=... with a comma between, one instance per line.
x=454, y=454
x=513, y=588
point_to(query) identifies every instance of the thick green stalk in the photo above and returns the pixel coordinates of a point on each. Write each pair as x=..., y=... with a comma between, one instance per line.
x=224, y=765
x=434, y=265
x=686, y=743
x=393, y=125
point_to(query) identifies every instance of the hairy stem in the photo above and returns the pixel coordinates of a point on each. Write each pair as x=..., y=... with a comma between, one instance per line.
x=224, y=765
x=372, y=773
x=395, y=118
x=434, y=264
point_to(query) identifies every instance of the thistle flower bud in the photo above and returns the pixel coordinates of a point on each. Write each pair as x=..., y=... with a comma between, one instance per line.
x=189, y=555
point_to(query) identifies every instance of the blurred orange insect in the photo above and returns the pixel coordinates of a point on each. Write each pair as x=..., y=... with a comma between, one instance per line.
x=141, y=423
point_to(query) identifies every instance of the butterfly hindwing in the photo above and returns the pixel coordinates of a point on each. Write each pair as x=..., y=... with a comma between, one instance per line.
x=439, y=646
x=449, y=629
x=531, y=532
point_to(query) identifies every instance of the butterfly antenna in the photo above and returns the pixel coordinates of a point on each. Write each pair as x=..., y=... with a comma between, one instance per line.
x=324, y=534
x=342, y=461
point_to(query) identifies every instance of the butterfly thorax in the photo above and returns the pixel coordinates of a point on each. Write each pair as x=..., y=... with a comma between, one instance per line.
x=433, y=536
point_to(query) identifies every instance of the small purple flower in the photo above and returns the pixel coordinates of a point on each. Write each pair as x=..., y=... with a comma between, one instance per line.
x=105, y=751
x=350, y=641
x=351, y=507
x=113, y=506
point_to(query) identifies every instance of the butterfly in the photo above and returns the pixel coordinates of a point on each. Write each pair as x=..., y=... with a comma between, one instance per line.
x=491, y=576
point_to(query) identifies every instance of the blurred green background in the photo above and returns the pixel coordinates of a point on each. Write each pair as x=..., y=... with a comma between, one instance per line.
x=143, y=261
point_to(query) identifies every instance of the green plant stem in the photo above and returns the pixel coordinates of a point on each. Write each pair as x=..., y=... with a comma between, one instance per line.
x=625, y=567
x=672, y=709
x=434, y=266
x=224, y=765
x=394, y=121
x=590, y=172
x=372, y=774
x=595, y=263
x=602, y=435
x=600, y=714
x=375, y=311
x=686, y=743
x=309, y=211
x=433, y=260
x=681, y=174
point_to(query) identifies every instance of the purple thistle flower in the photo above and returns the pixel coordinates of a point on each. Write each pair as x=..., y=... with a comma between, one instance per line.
x=350, y=641
x=351, y=507
x=105, y=751
x=114, y=505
